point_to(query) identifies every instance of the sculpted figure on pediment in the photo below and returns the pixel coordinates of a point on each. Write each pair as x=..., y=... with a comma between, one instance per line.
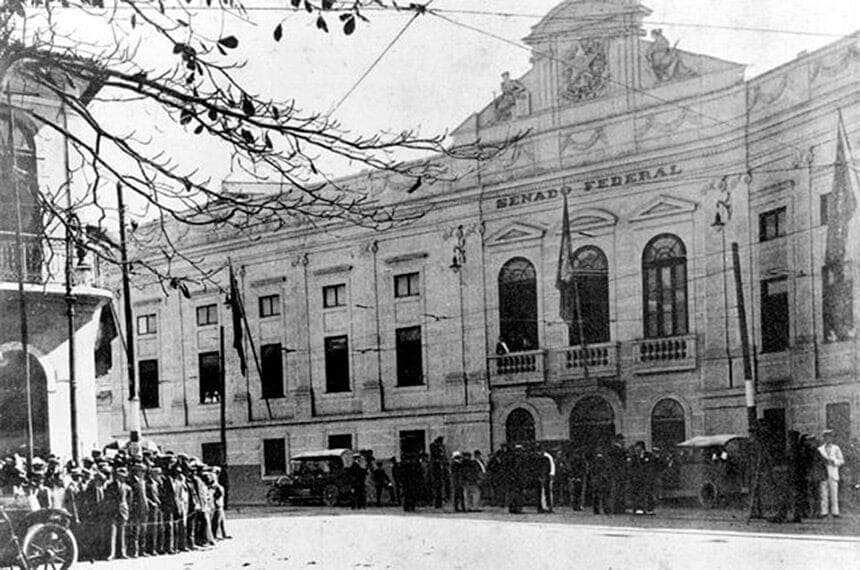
x=665, y=59
x=512, y=91
x=585, y=71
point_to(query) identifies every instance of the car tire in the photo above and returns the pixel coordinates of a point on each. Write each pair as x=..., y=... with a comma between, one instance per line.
x=49, y=545
x=331, y=495
x=708, y=495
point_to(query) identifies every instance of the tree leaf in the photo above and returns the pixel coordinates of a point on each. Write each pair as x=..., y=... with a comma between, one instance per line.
x=247, y=136
x=295, y=3
x=247, y=106
x=229, y=42
x=321, y=24
x=327, y=4
x=279, y=32
x=349, y=26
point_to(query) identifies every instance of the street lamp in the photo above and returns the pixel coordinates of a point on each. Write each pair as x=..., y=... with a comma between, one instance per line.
x=458, y=261
x=720, y=225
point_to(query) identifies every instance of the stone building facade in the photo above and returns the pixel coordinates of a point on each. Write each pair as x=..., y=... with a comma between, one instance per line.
x=450, y=325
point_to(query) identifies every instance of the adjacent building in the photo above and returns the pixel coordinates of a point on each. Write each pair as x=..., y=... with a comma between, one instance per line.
x=450, y=325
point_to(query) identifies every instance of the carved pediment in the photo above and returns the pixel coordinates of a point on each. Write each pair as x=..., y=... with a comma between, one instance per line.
x=591, y=219
x=662, y=206
x=516, y=232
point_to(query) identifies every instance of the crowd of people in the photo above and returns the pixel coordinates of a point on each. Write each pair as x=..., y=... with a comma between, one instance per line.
x=789, y=480
x=125, y=504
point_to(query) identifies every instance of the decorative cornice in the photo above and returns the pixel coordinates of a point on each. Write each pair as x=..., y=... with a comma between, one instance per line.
x=268, y=281
x=405, y=258
x=343, y=268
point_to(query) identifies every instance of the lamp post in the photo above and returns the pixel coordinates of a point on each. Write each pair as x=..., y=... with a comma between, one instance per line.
x=458, y=262
x=720, y=225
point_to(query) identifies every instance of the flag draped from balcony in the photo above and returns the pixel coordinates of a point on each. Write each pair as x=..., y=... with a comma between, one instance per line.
x=565, y=276
x=837, y=276
x=237, y=311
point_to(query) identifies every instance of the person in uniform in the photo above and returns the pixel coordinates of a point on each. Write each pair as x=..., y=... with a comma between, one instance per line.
x=829, y=487
x=439, y=471
x=155, y=531
x=218, y=516
x=117, y=497
x=358, y=482
x=641, y=469
x=457, y=482
x=138, y=510
x=381, y=482
x=169, y=511
x=617, y=458
x=412, y=480
x=396, y=481
x=181, y=510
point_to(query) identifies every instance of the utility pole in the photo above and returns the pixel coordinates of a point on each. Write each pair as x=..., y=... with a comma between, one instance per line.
x=133, y=401
x=223, y=400
x=749, y=381
x=21, y=257
x=71, y=300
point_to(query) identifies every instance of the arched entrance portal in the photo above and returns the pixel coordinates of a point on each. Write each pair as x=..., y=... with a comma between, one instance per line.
x=592, y=423
x=13, y=404
x=519, y=427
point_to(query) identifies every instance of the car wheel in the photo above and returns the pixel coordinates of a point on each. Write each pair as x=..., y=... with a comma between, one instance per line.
x=330, y=496
x=48, y=545
x=708, y=495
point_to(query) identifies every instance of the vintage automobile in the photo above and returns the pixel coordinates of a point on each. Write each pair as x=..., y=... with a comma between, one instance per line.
x=35, y=539
x=714, y=469
x=315, y=476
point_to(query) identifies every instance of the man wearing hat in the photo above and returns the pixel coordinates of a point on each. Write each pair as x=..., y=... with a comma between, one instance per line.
x=138, y=510
x=829, y=488
x=117, y=497
x=155, y=532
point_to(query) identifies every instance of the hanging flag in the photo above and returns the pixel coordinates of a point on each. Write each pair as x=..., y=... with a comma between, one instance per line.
x=838, y=289
x=564, y=278
x=237, y=311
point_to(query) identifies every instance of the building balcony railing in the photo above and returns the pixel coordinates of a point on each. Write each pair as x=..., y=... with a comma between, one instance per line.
x=669, y=354
x=597, y=360
x=527, y=367
x=33, y=258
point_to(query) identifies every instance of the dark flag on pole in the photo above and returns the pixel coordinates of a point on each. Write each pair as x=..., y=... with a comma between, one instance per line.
x=564, y=278
x=235, y=300
x=837, y=275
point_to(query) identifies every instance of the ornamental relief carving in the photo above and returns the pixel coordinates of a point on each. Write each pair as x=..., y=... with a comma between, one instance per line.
x=841, y=65
x=584, y=71
x=582, y=141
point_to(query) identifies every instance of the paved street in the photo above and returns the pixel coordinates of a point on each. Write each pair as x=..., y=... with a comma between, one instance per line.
x=389, y=539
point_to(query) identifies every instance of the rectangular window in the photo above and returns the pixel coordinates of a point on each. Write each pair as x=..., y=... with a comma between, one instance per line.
x=273, y=371
x=340, y=441
x=774, y=315
x=207, y=315
x=147, y=371
x=412, y=442
x=147, y=324
x=771, y=224
x=838, y=417
x=209, y=374
x=212, y=453
x=410, y=370
x=407, y=285
x=824, y=208
x=274, y=457
x=334, y=296
x=337, y=364
x=270, y=306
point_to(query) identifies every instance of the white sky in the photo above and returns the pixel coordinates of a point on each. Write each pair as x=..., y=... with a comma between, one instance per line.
x=438, y=73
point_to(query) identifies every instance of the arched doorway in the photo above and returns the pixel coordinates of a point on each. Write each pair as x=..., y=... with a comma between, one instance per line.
x=520, y=426
x=667, y=424
x=592, y=423
x=518, y=310
x=13, y=404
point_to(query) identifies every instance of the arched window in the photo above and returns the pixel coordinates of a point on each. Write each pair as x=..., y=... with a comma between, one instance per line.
x=520, y=426
x=518, y=317
x=667, y=424
x=664, y=276
x=591, y=272
x=592, y=423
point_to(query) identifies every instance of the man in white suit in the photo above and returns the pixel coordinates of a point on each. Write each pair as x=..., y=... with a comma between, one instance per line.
x=829, y=488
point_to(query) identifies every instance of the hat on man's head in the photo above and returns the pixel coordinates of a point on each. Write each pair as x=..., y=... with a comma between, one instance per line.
x=827, y=432
x=122, y=472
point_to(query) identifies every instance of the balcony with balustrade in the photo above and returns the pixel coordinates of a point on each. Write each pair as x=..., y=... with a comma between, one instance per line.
x=591, y=361
x=527, y=367
x=666, y=354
